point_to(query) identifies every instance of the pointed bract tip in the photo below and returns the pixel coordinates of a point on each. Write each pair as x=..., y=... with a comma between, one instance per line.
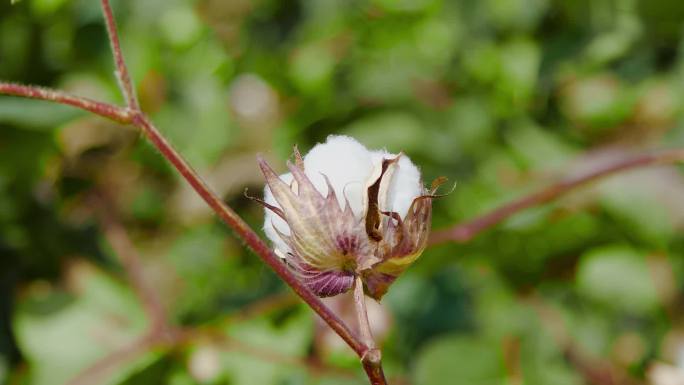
x=299, y=161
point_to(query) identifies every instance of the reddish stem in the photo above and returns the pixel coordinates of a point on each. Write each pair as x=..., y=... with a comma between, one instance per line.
x=243, y=231
x=121, y=69
x=134, y=116
x=464, y=232
x=374, y=371
x=139, y=120
x=109, y=111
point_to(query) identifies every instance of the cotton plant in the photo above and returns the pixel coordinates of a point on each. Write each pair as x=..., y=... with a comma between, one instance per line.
x=344, y=212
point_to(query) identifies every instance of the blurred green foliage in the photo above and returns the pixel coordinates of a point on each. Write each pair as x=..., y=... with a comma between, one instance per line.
x=499, y=95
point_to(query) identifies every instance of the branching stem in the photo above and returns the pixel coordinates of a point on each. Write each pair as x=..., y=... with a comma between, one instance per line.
x=364, y=346
x=133, y=115
x=122, y=75
x=466, y=231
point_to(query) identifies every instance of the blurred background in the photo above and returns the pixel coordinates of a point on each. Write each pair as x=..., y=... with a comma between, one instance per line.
x=502, y=96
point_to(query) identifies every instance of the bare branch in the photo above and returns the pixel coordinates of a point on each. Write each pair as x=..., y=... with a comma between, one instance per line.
x=464, y=232
x=121, y=70
x=243, y=231
x=109, y=111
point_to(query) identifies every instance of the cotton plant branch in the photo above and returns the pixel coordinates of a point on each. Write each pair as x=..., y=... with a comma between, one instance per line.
x=105, y=110
x=123, y=247
x=464, y=232
x=132, y=114
x=222, y=210
x=161, y=331
x=164, y=333
x=138, y=119
x=122, y=75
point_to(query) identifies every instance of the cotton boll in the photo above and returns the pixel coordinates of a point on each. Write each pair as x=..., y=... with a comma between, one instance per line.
x=331, y=248
x=272, y=219
x=405, y=184
x=346, y=163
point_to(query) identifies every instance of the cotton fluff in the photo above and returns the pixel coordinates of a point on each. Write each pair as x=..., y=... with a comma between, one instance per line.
x=271, y=220
x=351, y=168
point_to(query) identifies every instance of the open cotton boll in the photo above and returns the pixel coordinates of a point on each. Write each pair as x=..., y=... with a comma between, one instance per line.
x=346, y=163
x=330, y=247
x=349, y=167
x=272, y=219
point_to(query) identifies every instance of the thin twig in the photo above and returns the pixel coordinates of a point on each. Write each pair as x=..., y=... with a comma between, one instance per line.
x=121, y=69
x=243, y=231
x=464, y=232
x=138, y=119
x=134, y=116
x=106, y=110
x=222, y=210
x=130, y=259
x=160, y=330
x=372, y=357
x=227, y=215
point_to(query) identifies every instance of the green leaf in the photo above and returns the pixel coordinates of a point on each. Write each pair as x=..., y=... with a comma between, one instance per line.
x=291, y=338
x=645, y=203
x=180, y=26
x=61, y=334
x=538, y=148
x=542, y=361
x=35, y=114
x=312, y=68
x=460, y=360
x=400, y=131
x=618, y=277
x=597, y=103
x=520, y=60
x=46, y=7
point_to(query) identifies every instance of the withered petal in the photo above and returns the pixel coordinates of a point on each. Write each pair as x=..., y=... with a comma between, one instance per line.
x=373, y=211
